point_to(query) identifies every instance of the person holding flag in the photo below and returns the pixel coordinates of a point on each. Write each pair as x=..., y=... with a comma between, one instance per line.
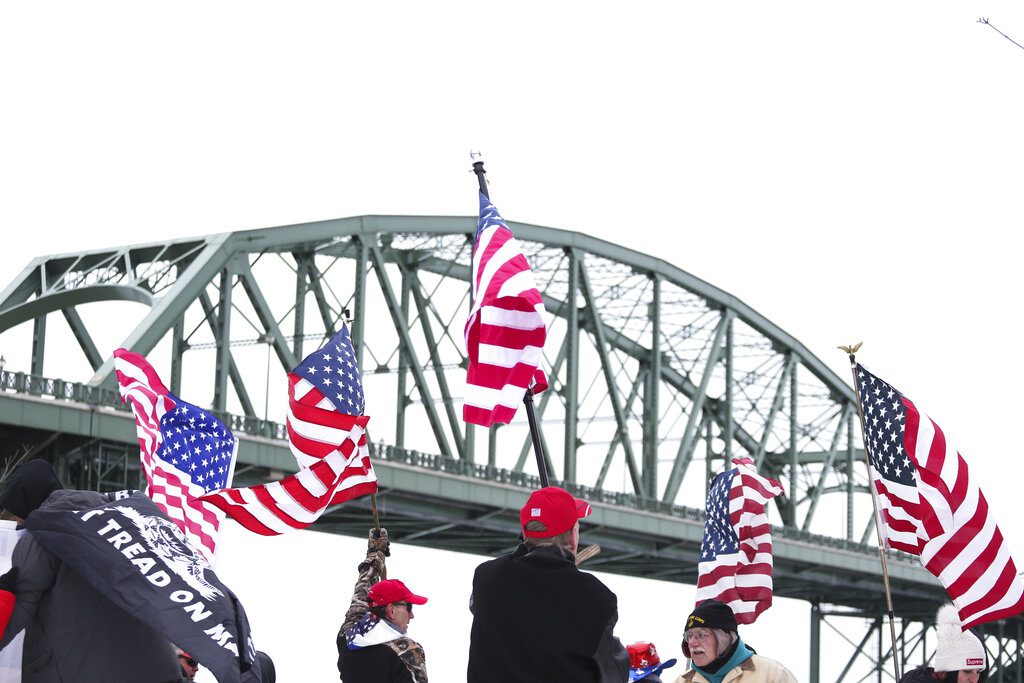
x=73, y=632
x=536, y=616
x=373, y=642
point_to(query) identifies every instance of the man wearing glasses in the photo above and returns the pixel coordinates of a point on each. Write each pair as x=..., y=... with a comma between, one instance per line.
x=373, y=646
x=712, y=644
x=189, y=666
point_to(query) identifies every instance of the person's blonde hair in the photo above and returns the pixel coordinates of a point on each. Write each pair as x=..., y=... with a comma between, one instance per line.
x=563, y=541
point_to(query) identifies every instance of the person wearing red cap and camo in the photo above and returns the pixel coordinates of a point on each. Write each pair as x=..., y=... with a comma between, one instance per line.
x=717, y=653
x=536, y=617
x=959, y=655
x=372, y=644
x=645, y=665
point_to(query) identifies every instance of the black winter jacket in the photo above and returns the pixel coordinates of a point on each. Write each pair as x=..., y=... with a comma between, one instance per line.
x=72, y=632
x=536, y=617
x=375, y=663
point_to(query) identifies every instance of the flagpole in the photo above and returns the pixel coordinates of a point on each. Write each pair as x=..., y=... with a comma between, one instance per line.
x=346, y=320
x=851, y=352
x=531, y=415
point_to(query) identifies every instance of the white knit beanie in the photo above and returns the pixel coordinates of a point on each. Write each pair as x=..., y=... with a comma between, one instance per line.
x=956, y=649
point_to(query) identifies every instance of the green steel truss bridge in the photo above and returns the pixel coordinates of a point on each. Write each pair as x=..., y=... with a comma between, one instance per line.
x=658, y=379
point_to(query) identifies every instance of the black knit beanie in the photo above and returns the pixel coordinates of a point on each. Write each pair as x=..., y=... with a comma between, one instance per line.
x=712, y=614
x=28, y=486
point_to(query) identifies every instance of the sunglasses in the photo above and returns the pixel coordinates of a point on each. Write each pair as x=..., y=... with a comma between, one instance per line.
x=407, y=605
x=188, y=660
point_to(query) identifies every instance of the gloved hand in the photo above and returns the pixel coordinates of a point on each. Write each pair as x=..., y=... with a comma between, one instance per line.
x=379, y=542
x=9, y=581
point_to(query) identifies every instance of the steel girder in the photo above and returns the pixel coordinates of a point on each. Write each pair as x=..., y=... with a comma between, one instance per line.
x=652, y=368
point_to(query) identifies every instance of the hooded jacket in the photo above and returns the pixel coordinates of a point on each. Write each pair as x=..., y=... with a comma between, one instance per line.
x=72, y=632
x=537, y=617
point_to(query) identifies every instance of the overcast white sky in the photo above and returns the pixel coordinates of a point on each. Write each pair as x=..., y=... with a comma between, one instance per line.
x=851, y=171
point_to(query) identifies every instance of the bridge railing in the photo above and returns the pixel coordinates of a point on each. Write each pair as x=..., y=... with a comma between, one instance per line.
x=106, y=397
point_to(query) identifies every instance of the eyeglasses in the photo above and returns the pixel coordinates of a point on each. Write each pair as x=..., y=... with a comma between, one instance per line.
x=698, y=633
x=407, y=605
x=188, y=660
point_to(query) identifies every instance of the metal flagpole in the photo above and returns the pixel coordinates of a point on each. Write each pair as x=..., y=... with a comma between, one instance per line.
x=373, y=496
x=851, y=352
x=531, y=415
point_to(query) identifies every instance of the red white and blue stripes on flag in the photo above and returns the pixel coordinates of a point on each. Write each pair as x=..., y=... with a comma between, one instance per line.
x=186, y=451
x=928, y=505
x=505, y=331
x=327, y=435
x=736, y=552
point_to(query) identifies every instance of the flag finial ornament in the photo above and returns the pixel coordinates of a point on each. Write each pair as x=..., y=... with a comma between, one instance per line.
x=851, y=349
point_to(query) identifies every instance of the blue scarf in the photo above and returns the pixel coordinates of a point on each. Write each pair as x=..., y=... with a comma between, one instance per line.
x=742, y=654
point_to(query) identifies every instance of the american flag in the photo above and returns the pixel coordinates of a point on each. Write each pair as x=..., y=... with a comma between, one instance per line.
x=327, y=433
x=186, y=451
x=929, y=506
x=736, y=552
x=505, y=331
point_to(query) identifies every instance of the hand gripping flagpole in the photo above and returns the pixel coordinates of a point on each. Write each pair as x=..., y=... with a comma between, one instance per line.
x=531, y=415
x=851, y=351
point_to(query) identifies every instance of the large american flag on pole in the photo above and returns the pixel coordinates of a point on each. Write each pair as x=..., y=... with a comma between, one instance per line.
x=736, y=552
x=505, y=331
x=327, y=434
x=186, y=451
x=929, y=506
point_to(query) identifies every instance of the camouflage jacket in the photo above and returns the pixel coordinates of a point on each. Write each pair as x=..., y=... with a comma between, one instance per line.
x=359, y=618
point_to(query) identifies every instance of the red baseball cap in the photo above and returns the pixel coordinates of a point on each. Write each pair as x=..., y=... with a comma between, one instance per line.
x=555, y=509
x=392, y=590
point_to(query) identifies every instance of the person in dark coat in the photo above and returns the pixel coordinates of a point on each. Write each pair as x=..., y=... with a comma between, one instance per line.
x=536, y=616
x=263, y=671
x=959, y=655
x=373, y=643
x=72, y=632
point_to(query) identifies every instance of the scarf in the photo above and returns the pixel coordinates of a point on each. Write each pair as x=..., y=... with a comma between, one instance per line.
x=717, y=670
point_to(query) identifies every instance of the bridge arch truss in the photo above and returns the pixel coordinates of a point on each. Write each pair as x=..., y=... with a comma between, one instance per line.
x=659, y=378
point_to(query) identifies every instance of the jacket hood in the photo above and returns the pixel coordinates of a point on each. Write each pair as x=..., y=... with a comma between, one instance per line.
x=72, y=499
x=28, y=486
